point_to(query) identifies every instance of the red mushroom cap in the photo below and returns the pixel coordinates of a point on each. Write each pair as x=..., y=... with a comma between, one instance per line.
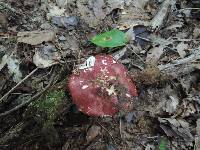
x=102, y=86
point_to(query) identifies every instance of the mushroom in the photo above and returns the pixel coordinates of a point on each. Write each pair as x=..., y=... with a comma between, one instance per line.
x=102, y=87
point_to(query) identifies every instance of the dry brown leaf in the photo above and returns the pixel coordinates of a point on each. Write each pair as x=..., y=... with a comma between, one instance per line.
x=181, y=47
x=172, y=104
x=133, y=15
x=3, y=20
x=180, y=126
x=196, y=32
x=13, y=65
x=92, y=133
x=95, y=11
x=154, y=55
x=46, y=57
x=94, y=15
x=35, y=37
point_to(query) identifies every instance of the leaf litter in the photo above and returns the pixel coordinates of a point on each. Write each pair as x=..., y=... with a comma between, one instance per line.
x=51, y=40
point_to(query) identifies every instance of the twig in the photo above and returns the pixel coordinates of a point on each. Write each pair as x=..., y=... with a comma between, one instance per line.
x=120, y=128
x=193, y=57
x=30, y=100
x=142, y=38
x=108, y=133
x=183, y=40
x=30, y=74
x=131, y=48
x=187, y=9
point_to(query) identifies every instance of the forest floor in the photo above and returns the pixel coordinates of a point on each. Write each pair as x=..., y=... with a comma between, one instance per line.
x=43, y=41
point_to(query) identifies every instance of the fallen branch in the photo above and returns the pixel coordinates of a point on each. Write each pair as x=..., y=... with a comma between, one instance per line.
x=170, y=71
x=31, y=99
x=191, y=58
x=30, y=74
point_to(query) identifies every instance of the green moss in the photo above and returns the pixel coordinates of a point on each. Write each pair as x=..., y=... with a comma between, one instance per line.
x=43, y=112
x=49, y=103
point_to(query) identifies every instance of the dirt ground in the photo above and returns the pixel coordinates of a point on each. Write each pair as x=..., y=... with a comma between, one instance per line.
x=43, y=41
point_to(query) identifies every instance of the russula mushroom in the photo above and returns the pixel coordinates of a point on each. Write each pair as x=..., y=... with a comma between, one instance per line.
x=101, y=86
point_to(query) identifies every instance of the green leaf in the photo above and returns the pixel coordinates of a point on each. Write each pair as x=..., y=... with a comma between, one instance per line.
x=113, y=38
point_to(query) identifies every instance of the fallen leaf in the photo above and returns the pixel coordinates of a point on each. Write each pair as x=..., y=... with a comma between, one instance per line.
x=181, y=47
x=196, y=32
x=113, y=38
x=46, y=56
x=55, y=11
x=172, y=104
x=35, y=37
x=110, y=146
x=12, y=63
x=129, y=117
x=62, y=3
x=65, y=21
x=13, y=66
x=114, y=4
x=119, y=54
x=179, y=126
x=134, y=14
x=93, y=11
x=154, y=55
x=92, y=133
x=150, y=147
x=3, y=20
x=187, y=81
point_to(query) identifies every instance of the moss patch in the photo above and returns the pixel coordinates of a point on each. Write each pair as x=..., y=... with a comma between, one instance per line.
x=49, y=104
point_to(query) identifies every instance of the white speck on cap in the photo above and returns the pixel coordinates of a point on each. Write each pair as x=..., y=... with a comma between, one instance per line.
x=128, y=95
x=104, y=62
x=84, y=87
x=114, y=62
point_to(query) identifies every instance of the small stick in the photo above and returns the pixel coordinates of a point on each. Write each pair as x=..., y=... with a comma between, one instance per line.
x=108, y=133
x=30, y=74
x=30, y=100
x=191, y=58
x=120, y=128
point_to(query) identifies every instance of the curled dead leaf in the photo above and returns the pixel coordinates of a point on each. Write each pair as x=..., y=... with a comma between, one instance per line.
x=35, y=37
x=92, y=133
